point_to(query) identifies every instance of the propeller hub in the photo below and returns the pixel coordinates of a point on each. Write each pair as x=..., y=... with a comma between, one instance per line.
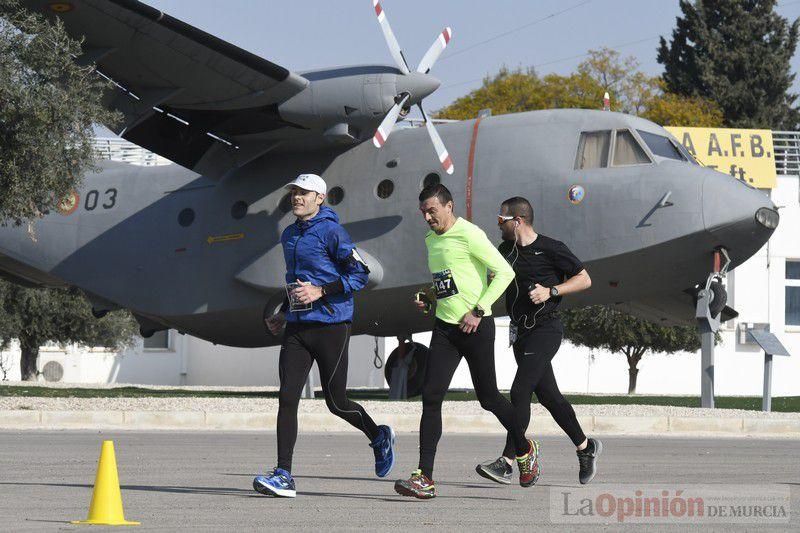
x=417, y=85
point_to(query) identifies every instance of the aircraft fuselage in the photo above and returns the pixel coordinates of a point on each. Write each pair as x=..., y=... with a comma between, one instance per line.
x=204, y=256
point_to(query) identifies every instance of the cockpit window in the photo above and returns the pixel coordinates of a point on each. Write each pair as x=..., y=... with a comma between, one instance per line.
x=593, y=149
x=661, y=146
x=627, y=150
x=687, y=155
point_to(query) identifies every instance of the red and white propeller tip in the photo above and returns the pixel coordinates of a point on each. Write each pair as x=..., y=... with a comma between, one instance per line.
x=438, y=145
x=394, y=46
x=435, y=51
x=606, y=102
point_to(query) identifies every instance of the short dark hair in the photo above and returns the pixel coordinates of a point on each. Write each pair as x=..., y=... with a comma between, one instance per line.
x=520, y=207
x=439, y=191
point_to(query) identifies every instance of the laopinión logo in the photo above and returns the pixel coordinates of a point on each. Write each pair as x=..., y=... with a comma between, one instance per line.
x=649, y=504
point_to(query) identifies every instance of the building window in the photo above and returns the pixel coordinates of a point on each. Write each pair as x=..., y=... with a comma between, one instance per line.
x=793, y=292
x=157, y=341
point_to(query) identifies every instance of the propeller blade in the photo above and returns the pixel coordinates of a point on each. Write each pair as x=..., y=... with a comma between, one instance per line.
x=385, y=129
x=435, y=51
x=394, y=46
x=438, y=145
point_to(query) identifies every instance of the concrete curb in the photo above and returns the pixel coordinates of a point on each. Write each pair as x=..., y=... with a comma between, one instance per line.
x=403, y=423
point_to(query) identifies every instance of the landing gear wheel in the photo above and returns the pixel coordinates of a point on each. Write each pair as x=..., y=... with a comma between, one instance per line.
x=718, y=300
x=416, y=368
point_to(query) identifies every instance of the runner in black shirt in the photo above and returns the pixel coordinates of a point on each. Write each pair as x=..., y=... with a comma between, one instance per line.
x=546, y=270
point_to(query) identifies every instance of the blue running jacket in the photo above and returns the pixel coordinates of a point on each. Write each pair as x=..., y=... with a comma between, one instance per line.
x=319, y=250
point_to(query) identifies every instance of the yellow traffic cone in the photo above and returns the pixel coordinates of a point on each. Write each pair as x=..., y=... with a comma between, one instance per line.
x=106, y=506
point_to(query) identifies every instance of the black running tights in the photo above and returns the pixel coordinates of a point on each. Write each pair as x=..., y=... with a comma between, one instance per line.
x=448, y=345
x=327, y=345
x=534, y=353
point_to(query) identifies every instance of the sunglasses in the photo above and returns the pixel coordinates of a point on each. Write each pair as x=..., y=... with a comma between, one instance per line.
x=502, y=219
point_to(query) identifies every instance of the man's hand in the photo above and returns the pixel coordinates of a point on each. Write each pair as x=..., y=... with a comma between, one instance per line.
x=421, y=306
x=469, y=323
x=307, y=292
x=275, y=323
x=539, y=294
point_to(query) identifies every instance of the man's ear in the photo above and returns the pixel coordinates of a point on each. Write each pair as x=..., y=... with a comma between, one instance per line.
x=321, y=198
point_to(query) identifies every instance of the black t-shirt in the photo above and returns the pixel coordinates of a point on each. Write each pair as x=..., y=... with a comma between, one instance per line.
x=545, y=261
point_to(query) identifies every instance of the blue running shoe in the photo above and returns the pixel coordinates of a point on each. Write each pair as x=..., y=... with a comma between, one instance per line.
x=278, y=483
x=383, y=446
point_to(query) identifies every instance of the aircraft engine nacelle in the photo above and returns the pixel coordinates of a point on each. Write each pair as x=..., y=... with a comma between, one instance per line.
x=349, y=103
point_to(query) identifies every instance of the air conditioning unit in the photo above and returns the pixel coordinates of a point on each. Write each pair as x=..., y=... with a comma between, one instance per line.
x=52, y=371
x=741, y=335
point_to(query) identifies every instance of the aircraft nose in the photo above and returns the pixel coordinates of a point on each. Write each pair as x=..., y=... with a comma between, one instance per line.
x=418, y=85
x=740, y=217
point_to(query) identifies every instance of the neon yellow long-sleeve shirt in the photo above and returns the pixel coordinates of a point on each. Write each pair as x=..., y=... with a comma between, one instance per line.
x=458, y=260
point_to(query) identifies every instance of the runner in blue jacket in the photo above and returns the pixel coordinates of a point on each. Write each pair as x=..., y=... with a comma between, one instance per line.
x=323, y=270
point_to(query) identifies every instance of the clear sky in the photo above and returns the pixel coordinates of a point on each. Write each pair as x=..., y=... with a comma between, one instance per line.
x=550, y=35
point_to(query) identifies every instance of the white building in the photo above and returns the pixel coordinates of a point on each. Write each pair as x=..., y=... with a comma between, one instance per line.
x=766, y=289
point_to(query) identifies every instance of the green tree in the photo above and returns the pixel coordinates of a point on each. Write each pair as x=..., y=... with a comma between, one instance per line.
x=37, y=316
x=48, y=104
x=631, y=91
x=599, y=327
x=736, y=53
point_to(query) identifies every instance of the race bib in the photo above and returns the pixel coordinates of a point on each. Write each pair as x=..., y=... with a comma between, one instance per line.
x=512, y=333
x=444, y=284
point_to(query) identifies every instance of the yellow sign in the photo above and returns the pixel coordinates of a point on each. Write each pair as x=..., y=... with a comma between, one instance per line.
x=224, y=238
x=747, y=155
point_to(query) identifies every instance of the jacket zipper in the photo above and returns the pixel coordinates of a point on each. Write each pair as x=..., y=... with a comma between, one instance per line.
x=294, y=265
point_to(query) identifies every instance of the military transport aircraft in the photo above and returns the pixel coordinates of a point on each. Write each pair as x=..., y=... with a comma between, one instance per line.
x=195, y=245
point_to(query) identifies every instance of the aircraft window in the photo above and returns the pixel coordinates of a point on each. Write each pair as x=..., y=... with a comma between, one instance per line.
x=285, y=204
x=661, y=146
x=385, y=189
x=158, y=341
x=431, y=179
x=186, y=217
x=335, y=196
x=627, y=150
x=689, y=157
x=239, y=210
x=593, y=149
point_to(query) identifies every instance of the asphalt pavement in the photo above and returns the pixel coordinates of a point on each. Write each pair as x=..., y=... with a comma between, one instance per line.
x=201, y=481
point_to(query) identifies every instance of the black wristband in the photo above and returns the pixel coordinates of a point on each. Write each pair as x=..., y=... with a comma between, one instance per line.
x=334, y=287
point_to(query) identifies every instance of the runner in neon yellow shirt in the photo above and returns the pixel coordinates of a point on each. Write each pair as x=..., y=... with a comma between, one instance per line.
x=459, y=254
x=458, y=260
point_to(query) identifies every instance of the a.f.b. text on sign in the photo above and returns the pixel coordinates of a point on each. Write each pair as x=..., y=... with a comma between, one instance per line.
x=747, y=155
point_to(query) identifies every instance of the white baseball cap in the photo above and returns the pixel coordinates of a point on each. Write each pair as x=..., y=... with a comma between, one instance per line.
x=309, y=182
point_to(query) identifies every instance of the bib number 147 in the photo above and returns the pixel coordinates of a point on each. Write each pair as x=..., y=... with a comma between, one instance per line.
x=444, y=284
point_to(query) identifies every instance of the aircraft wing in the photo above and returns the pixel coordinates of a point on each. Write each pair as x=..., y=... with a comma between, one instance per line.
x=185, y=94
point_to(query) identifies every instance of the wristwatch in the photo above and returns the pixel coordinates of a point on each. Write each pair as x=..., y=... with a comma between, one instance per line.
x=553, y=292
x=478, y=311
